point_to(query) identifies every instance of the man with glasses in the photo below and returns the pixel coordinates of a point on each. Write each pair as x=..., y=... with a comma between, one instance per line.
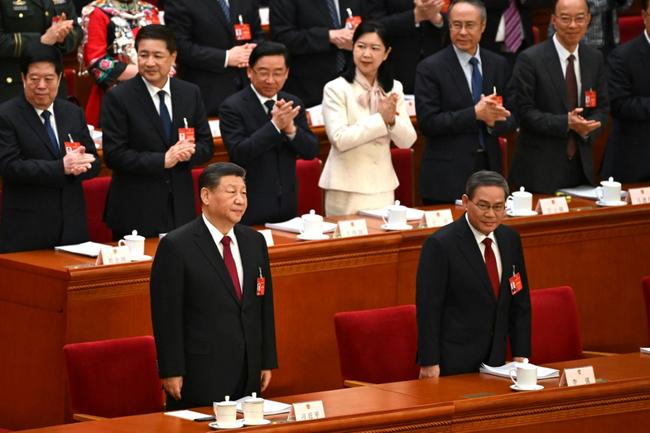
x=472, y=291
x=457, y=108
x=562, y=105
x=265, y=130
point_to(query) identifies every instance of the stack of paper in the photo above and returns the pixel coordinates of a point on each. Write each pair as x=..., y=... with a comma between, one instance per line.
x=645, y=350
x=411, y=214
x=295, y=226
x=271, y=407
x=90, y=249
x=504, y=370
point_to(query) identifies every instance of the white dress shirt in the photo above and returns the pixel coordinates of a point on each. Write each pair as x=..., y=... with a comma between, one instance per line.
x=563, y=53
x=479, y=240
x=153, y=92
x=52, y=119
x=463, y=58
x=234, y=247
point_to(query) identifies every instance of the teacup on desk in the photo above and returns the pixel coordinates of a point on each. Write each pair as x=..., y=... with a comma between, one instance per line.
x=524, y=376
x=396, y=215
x=520, y=201
x=312, y=225
x=135, y=244
x=225, y=412
x=253, y=408
x=609, y=191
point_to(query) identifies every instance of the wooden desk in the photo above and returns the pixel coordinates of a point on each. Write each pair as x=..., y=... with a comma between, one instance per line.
x=465, y=403
x=48, y=299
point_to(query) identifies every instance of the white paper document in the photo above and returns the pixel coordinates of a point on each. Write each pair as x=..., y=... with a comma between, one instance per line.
x=186, y=414
x=295, y=226
x=411, y=214
x=504, y=371
x=90, y=249
x=271, y=407
x=645, y=350
x=584, y=191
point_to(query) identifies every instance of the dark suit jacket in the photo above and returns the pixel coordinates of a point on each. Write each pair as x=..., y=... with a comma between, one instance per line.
x=202, y=332
x=542, y=109
x=460, y=323
x=268, y=156
x=41, y=206
x=410, y=43
x=445, y=112
x=627, y=156
x=134, y=148
x=204, y=35
x=303, y=26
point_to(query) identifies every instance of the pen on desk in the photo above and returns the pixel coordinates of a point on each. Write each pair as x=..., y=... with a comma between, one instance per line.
x=204, y=419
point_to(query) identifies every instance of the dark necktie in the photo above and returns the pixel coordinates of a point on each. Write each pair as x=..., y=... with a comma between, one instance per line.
x=491, y=265
x=226, y=9
x=336, y=23
x=477, y=88
x=46, y=115
x=512, y=21
x=230, y=265
x=572, y=102
x=269, y=104
x=165, y=118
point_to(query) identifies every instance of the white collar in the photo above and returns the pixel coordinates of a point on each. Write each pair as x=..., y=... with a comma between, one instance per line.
x=477, y=234
x=153, y=90
x=216, y=234
x=263, y=99
x=563, y=52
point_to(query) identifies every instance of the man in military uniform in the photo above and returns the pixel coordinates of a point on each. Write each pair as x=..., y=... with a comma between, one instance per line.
x=52, y=22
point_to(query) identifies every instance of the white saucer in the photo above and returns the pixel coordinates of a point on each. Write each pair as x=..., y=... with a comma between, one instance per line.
x=611, y=203
x=512, y=213
x=260, y=422
x=396, y=227
x=321, y=237
x=237, y=424
x=142, y=258
x=531, y=388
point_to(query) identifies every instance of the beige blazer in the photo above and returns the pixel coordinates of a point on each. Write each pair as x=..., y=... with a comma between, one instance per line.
x=359, y=158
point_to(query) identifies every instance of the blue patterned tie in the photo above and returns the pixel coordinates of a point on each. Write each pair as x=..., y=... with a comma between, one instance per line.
x=477, y=88
x=336, y=23
x=164, y=116
x=226, y=9
x=50, y=132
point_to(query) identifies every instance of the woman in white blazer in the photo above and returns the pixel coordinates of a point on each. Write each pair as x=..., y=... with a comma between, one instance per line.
x=364, y=111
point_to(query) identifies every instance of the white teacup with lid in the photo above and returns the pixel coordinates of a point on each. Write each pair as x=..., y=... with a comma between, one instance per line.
x=225, y=412
x=135, y=243
x=253, y=408
x=312, y=225
x=524, y=376
x=609, y=191
x=520, y=201
x=396, y=215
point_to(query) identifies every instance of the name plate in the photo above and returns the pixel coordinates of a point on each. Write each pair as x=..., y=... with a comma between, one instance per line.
x=113, y=255
x=639, y=195
x=309, y=410
x=351, y=228
x=553, y=205
x=578, y=376
x=438, y=218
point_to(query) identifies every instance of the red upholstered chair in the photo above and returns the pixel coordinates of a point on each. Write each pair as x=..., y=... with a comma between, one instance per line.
x=95, y=191
x=645, y=283
x=113, y=378
x=630, y=27
x=403, y=165
x=503, y=145
x=4, y=430
x=195, y=181
x=310, y=196
x=378, y=345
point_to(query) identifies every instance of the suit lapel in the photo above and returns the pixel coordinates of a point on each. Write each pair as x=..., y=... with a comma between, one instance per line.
x=506, y=260
x=248, y=265
x=554, y=71
x=63, y=124
x=149, y=108
x=644, y=52
x=458, y=76
x=32, y=119
x=178, y=110
x=206, y=244
x=586, y=74
x=488, y=76
x=255, y=108
x=472, y=253
x=213, y=5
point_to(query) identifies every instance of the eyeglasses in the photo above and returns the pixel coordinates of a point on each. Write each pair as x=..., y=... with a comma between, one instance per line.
x=566, y=20
x=469, y=26
x=485, y=206
x=265, y=74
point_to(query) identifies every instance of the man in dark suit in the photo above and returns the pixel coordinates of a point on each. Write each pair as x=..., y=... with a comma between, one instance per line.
x=462, y=125
x=211, y=53
x=265, y=130
x=472, y=290
x=151, y=190
x=212, y=300
x=42, y=198
x=627, y=156
x=318, y=39
x=562, y=103
x=416, y=30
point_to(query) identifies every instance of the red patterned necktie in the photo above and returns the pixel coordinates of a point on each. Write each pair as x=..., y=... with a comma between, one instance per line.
x=230, y=265
x=491, y=265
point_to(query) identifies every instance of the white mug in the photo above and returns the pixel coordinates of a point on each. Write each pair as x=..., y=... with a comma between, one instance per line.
x=225, y=411
x=520, y=201
x=609, y=191
x=135, y=243
x=396, y=214
x=526, y=375
x=312, y=224
x=253, y=409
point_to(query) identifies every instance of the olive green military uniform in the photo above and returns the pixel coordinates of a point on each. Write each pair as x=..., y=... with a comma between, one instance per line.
x=23, y=22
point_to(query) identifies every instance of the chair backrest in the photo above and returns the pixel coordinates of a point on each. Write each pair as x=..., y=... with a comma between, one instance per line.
x=555, y=325
x=630, y=27
x=112, y=378
x=378, y=345
x=310, y=196
x=403, y=165
x=95, y=191
x=195, y=182
x=645, y=284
